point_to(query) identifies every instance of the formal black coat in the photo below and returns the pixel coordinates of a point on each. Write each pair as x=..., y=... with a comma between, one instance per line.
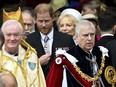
x=85, y=65
x=112, y=50
x=60, y=40
x=109, y=42
x=103, y=41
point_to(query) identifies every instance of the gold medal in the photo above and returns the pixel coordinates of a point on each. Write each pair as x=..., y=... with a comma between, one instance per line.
x=110, y=75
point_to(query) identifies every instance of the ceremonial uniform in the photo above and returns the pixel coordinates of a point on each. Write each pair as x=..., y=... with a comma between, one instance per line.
x=86, y=66
x=83, y=75
x=24, y=66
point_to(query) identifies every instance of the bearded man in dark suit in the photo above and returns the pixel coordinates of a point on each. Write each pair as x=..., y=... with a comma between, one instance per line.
x=44, y=21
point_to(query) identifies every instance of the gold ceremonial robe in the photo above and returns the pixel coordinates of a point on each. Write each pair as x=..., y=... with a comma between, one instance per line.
x=26, y=68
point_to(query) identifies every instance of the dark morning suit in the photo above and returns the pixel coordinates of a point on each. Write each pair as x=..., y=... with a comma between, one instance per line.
x=85, y=65
x=60, y=40
x=112, y=50
x=104, y=40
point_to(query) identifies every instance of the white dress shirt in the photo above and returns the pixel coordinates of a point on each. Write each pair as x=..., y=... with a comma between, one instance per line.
x=49, y=42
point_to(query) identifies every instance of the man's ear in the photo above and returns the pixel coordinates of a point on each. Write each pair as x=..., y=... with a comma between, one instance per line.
x=23, y=36
x=114, y=29
x=53, y=18
x=35, y=19
x=94, y=11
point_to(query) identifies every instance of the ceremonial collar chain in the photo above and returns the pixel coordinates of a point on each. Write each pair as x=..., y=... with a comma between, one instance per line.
x=88, y=78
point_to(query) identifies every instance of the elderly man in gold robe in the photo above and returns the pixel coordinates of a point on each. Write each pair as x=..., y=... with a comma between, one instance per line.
x=19, y=57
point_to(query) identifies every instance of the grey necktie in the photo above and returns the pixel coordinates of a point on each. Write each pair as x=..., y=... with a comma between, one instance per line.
x=46, y=48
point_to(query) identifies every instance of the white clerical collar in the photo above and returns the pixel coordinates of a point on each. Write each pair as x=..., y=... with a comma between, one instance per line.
x=107, y=35
x=10, y=55
x=50, y=35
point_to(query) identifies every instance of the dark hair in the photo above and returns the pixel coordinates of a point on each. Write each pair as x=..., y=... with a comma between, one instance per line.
x=107, y=19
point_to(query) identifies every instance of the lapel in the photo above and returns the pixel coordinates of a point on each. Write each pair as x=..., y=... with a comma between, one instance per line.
x=38, y=44
x=55, y=41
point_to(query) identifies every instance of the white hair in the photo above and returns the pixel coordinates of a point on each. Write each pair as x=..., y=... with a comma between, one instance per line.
x=83, y=23
x=11, y=22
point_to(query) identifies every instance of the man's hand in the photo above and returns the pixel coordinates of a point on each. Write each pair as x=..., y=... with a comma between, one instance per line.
x=44, y=59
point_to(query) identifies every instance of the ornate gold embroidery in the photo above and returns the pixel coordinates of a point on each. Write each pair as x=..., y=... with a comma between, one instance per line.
x=88, y=78
x=110, y=75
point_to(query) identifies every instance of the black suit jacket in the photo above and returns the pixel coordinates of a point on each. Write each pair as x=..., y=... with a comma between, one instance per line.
x=104, y=40
x=110, y=43
x=112, y=50
x=60, y=40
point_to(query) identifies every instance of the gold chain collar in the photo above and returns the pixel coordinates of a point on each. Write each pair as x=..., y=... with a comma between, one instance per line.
x=88, y=78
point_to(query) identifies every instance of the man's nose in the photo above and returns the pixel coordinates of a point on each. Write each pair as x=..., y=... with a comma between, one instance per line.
x=26, y=27
x=89, y=37
x=43, y=23
x=12, y=37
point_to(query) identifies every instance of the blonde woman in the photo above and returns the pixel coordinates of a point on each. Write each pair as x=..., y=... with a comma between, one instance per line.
x=67, y=22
